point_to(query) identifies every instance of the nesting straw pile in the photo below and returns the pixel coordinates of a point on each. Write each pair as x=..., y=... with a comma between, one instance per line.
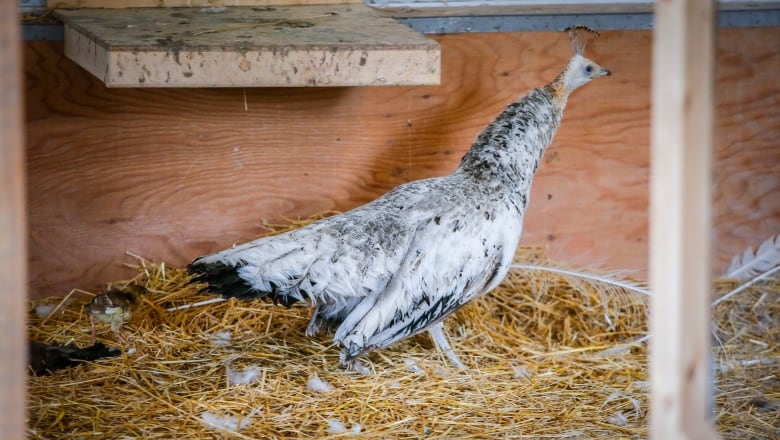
x=548, y=358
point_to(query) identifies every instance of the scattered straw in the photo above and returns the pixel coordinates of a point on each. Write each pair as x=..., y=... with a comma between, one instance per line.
x=535, y=349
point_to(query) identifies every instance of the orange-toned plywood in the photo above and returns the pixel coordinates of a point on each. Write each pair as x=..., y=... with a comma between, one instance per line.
x=171, y=174
x=747, y=140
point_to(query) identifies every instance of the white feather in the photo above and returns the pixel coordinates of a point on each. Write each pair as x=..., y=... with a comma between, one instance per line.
x=196, y=304
x=521, y=372
x=742, y=287
x=618, y=395
x=618, y=419
x=616, y=296
x=318, y=385
x=750, y=263
x=242, y=377
x=228, y=423
x=412, y=367
x=585, y=275
x=335, y=426
x=44, y=310
x=760, y=265
x=220, y=338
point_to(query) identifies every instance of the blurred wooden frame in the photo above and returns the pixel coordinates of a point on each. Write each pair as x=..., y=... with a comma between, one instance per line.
x=681, y=219
x=13, y=222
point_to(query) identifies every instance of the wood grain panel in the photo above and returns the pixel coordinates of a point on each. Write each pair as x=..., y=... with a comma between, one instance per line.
x=171, y=174
x=747, y=141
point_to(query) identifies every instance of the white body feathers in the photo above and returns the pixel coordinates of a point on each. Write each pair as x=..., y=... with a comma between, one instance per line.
x=404, y=262
x=391, y=268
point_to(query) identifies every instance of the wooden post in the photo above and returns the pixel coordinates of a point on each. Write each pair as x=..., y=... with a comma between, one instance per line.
x=681, y=219
x=13, y=251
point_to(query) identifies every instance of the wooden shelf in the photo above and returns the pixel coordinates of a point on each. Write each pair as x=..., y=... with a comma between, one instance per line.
x=278, y=46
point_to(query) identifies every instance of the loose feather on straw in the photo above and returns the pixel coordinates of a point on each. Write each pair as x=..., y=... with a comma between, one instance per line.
x=757, y=266
x=744, y=286
x=614, y=293
x=585, y=275
x=750, y=264
x=196, y=304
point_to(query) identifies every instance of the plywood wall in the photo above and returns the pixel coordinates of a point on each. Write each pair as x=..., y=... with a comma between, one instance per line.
x=172, y=174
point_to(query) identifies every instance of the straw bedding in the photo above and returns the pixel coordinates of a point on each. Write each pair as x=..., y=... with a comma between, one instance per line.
x=544, y=362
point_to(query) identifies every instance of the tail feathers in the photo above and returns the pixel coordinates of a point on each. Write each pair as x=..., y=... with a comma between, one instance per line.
x=221, y=278
x=225, y=280
x=328, y=317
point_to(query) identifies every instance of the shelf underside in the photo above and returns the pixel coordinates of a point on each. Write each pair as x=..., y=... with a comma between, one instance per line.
x=279, y=46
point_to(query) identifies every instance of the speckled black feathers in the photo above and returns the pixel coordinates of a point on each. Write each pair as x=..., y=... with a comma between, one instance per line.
x=495, y=152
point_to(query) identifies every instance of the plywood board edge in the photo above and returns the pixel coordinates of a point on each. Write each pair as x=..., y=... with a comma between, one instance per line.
x=265, y=69
x=120, y=51
x=87, y=53
x=120, y=4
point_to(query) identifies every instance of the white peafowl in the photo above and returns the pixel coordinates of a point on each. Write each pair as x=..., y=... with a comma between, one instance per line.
x=404, y=262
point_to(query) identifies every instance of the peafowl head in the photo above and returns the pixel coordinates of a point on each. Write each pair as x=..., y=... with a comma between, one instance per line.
x=580, y=70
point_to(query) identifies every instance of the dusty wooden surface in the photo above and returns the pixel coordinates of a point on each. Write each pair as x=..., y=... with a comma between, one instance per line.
x=13, y=246
x=278, y=46
x=174, y=173
x=183, y=3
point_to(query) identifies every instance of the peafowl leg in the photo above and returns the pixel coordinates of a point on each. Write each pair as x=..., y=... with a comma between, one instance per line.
x=119, y=337
x=437, y=334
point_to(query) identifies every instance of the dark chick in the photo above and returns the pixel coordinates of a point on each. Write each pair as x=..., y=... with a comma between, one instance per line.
x=115, y=307
x=45, y=358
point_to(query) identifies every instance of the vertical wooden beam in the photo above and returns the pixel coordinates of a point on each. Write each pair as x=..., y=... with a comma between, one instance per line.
x=13, y=251
x=681, y=220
